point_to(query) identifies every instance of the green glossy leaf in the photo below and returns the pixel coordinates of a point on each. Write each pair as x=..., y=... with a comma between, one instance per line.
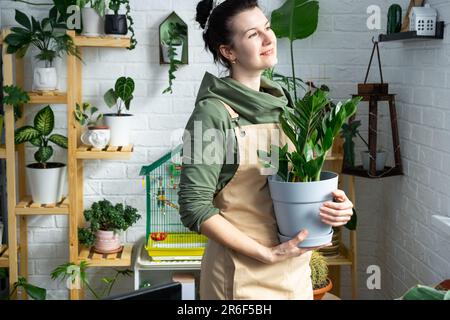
x=37, y=142
x=296, y=19
x=35, y=292
x=59, y=140
x=124, y=88
x=43, y=154
x=110, y=98
x=22, y=19
x=45, y=121
x=26, y=133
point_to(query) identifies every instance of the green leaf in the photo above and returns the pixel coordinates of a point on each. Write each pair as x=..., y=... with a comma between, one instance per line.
x=59, y=140
x=35, y=292
x=37, y=141
x=296, y=19
x=45, y=121
x=26, y=133
x=22, y=19
x=43, y=154
x=110, y=98
x=124, y=88
x=353, y=222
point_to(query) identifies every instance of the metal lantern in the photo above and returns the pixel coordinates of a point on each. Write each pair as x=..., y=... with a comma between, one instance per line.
x=423, y=20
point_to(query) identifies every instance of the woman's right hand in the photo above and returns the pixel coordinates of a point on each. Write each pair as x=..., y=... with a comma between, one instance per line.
x=290, y=249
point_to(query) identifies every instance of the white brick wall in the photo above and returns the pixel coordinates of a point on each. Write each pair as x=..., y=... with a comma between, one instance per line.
x=394, y=214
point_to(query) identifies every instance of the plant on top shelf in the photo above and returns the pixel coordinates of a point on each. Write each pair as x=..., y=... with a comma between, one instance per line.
x=173, y=50
x=50, y=43
x=120, y=123
x=319, y=275
x=117, y=23
x=46, y=179
x=106, y=220
x=348, y=132
x=93, y=14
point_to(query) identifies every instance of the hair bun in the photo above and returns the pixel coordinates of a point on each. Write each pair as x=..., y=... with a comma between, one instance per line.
x=203, y=10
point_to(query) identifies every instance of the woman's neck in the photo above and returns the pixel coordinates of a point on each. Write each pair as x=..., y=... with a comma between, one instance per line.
x=251, y=80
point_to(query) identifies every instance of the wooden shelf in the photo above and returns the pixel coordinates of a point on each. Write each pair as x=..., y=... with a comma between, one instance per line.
x=4, y=256
x=343, y=259
x=361, y=172
x=108, y=153
x=47, y=98
x=103, y=41
x=2, y=151
x=412, y=35
x=27, y=207
x=120, y=259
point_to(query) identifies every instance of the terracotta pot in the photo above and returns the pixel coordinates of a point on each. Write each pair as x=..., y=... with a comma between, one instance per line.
x=319, y=293
x=106, y=241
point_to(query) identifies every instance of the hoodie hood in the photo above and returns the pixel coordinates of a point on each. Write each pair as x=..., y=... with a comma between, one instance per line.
x=255, y=106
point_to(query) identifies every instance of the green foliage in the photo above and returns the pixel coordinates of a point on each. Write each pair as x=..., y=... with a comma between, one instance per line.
x=42, y=35
x=105, y=216
x=40, y=135
x=295, y=20
x=34, y=292
x=348, y=132
x=122, y=94
x=16, y=97
x=85, y=114
x=319, y=270
x=114, y=5
x=421, y=292
x=98, y=5
x=176, y=35
x=77, y=274
x=311, y=125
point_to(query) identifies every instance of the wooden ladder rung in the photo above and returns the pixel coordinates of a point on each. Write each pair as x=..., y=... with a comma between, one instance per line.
x=35, y=205
x=127, y=148
x=112, y=149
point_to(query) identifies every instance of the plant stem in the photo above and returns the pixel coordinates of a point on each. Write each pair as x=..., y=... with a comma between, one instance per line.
x=293, y=69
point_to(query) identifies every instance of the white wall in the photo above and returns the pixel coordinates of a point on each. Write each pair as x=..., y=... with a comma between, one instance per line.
x=394, y=229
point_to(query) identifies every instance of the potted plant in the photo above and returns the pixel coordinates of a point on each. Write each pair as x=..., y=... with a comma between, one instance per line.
x=50, y=43
x=319, y=275
x=106, y=220
x=92, y=15
x=117, y=23
x=348, y=132
x=46, y=179
x=172, y=49
x=120, y=123
x=88, y=116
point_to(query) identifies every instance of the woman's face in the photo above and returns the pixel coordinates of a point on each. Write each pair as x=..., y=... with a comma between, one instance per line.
x=254, y=43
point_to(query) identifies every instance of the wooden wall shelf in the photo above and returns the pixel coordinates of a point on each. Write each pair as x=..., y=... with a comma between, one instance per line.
x=104, y=41
x=47, y=98
x=108, y=153
x=27, y=207
x=120, y=259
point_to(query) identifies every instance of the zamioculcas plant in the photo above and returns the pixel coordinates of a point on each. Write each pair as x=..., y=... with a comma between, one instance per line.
x=40, y=135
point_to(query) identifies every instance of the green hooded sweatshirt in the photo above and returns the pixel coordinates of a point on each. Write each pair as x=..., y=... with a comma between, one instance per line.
x=200, y=182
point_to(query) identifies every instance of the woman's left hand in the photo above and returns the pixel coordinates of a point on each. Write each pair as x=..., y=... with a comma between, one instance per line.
x=338, y=213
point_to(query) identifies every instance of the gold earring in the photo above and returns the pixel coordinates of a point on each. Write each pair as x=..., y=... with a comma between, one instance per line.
x=233, y=62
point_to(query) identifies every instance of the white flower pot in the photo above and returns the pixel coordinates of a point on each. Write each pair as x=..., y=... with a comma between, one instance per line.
x=46, y=185
x=120, y=127
x=96, y=136
x=178, y=52
x=297, y=207
x=93, y=23
x=45, y=79
x=380, y=162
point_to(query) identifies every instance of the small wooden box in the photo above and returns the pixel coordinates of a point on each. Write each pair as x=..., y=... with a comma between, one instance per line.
x=373, y=88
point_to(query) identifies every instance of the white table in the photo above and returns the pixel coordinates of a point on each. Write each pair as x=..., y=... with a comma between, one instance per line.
x=143, y=262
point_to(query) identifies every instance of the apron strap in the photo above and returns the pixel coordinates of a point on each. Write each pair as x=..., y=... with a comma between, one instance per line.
x=230, y=110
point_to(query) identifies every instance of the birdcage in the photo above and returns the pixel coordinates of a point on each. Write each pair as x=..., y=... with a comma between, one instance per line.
x=167, y=238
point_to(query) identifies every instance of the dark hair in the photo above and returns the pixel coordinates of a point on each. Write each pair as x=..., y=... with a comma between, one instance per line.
x=219, y=30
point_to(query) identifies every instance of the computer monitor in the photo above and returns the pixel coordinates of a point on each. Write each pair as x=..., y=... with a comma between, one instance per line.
x=167, y=291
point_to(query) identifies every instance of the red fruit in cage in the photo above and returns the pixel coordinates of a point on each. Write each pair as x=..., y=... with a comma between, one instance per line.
x=158, y=236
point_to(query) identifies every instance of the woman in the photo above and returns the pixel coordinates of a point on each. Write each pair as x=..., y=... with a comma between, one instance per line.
x=224, y=196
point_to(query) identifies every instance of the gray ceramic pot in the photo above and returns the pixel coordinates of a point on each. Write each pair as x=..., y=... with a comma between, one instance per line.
x=297, y=206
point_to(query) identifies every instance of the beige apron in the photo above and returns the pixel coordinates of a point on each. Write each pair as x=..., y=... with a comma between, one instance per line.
x=245, y=202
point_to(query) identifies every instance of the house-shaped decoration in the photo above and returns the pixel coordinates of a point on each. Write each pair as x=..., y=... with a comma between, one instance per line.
x=173, y=33
x=423, y=20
